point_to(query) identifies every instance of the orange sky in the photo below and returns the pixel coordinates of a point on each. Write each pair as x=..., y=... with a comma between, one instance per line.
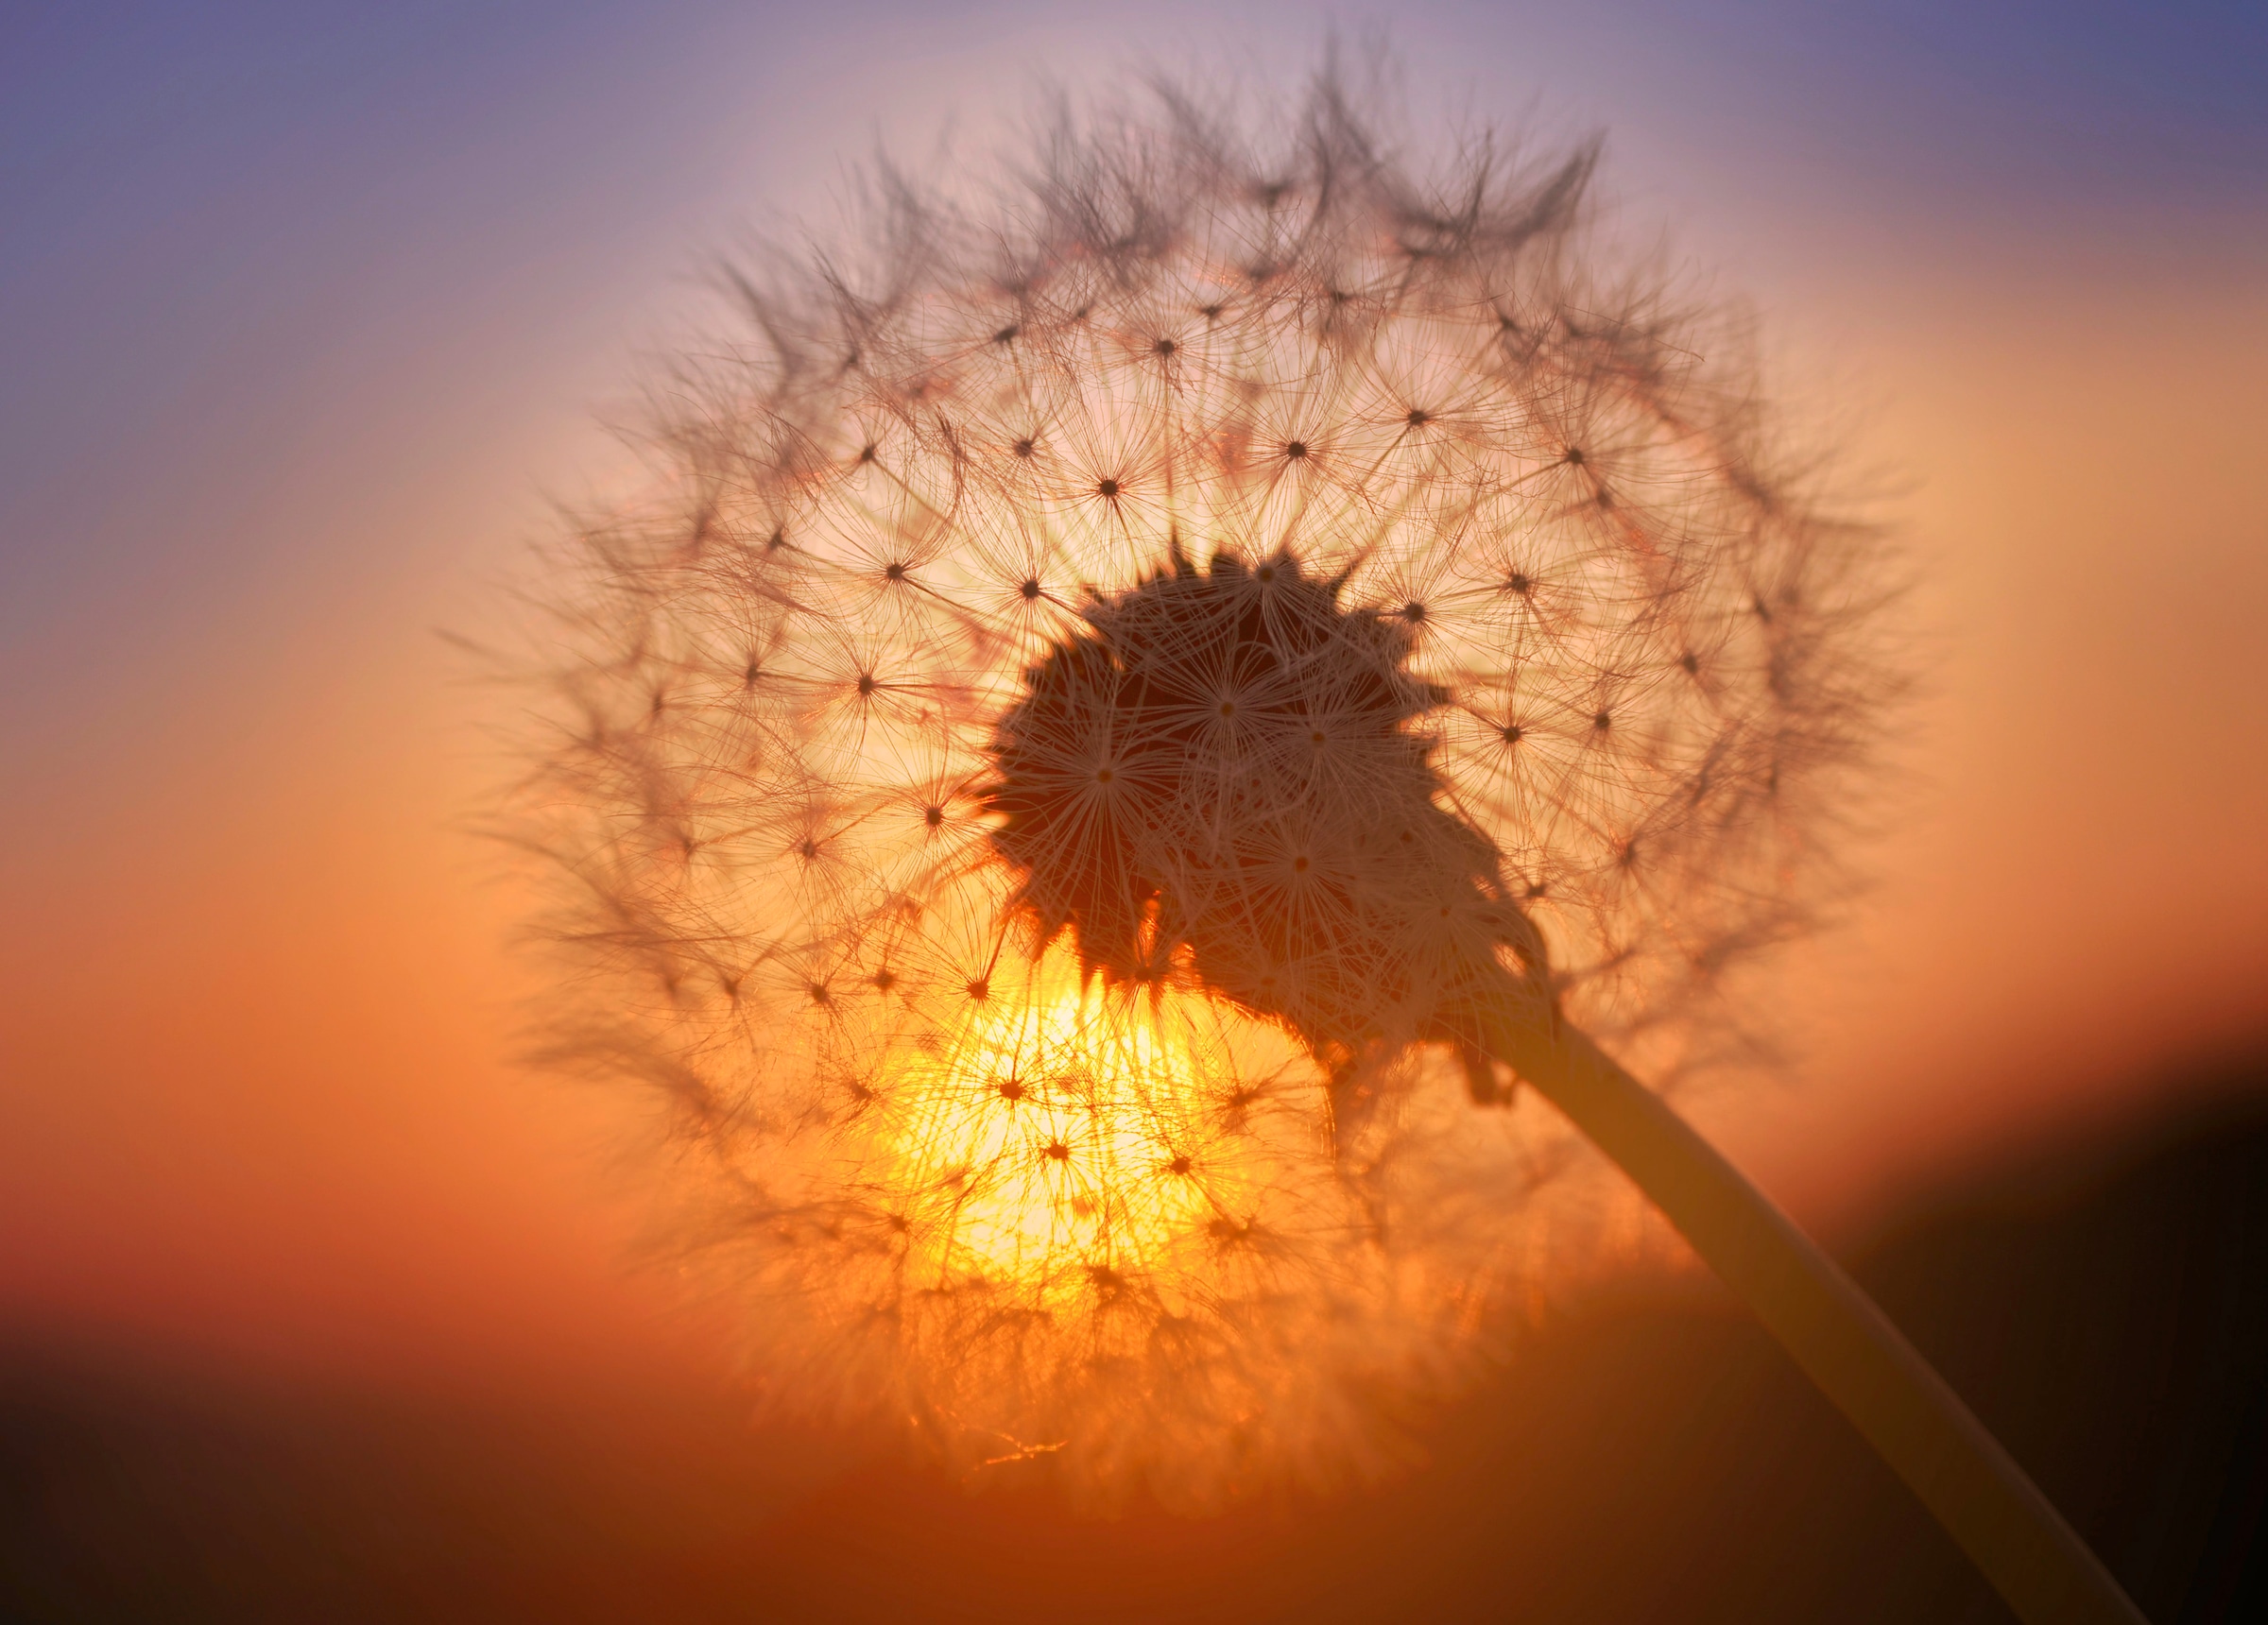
x=256, y=1040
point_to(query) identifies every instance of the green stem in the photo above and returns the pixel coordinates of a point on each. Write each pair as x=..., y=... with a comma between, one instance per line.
x=1832, y=1329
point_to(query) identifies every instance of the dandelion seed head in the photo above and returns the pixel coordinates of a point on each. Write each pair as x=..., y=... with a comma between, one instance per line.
x=1095, y=686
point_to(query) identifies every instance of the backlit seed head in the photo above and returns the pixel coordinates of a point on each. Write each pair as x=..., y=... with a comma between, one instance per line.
x=1123, y=1116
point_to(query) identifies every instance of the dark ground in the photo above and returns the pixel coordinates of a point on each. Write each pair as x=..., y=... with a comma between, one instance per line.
x=2105, y=1312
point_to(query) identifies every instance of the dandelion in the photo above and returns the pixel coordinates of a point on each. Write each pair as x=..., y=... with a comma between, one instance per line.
x=1134, y=714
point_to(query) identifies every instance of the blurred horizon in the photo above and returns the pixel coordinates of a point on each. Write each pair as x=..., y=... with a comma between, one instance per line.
x=315, y=315
x=1646, y=1453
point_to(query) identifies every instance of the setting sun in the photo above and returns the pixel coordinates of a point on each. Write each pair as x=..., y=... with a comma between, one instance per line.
x=1068, y=1145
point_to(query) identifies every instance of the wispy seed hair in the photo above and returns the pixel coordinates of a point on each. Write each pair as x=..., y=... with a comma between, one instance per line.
x=955, y=1164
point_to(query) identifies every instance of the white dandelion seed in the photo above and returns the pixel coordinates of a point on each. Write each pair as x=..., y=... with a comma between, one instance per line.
x=1128, y=714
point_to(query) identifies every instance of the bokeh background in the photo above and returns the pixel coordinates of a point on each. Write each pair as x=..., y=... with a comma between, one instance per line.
x=312, y=1305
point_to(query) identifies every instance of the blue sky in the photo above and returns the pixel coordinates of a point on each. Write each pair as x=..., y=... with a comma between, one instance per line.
x=200, y=201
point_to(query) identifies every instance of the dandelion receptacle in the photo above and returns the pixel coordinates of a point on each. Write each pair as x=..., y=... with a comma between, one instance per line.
x=1135, y=718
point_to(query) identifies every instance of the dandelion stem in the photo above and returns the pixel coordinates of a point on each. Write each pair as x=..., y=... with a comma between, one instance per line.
x=1836, y=1333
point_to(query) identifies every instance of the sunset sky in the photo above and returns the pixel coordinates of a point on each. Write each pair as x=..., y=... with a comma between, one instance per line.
x=314, y=315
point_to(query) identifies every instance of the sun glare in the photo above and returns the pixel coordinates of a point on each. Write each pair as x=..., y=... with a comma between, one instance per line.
x=1065, y=1144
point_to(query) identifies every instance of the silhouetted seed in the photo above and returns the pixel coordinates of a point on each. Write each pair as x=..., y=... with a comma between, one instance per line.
x=1603, y=720
x=866, y=454
x=1692, y=663
x=894, y=572
x=1030, y=589
x=1022, y=448
x=1058, y=1151
x=1009, y=1090
x=866, y=686
x=1418, y=419
x=1574, y=457
x=1295, y=450
x=1413, y=612
x=1164, y=347
x=1108, y=487
x=884, y=980
x=980, y=988
x=1005, y=336
x=1510, y=733
x=808, y=849
x=1161, y=639
x=1181, y=1165
x=1519, y=584
x=932, y=816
